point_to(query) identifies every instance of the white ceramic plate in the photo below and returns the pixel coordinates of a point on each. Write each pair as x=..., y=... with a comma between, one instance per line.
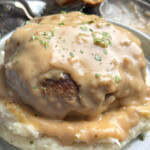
x=135, y=144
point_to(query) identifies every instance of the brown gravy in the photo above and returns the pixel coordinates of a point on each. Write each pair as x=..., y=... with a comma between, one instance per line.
x=113, y=124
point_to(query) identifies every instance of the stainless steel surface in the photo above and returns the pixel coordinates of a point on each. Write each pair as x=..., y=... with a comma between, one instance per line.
x=135, y=144
x=30, y=8
x=5, y=146
x=127, y=12
x=12, y=17
x=145, y=39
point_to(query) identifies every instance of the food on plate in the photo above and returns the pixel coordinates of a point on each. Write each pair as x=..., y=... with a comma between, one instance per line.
x=73, y=81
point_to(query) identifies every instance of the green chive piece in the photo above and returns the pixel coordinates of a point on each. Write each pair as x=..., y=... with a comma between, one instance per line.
x=71, y=54
x=117, y=78
x=34, y=37
x=106, y=34
x=63, y=12
x=104, y=41
x=44, y=88
x=98, y=58
x=12, y=58
x=61, y=23
x=45, y=44
x=105, y=51
x=97, y=75
x=48, y=37
x=44, y=33
x=84, y=28
x=41, y=42
x=91, y=30
x=35, y=87
x=81, y=51
x=53, y=32
x=108, y=24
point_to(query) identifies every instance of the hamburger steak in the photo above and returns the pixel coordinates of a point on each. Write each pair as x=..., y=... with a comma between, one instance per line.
x=74, y=65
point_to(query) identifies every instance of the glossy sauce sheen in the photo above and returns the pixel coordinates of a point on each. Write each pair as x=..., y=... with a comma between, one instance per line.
x=109, y=74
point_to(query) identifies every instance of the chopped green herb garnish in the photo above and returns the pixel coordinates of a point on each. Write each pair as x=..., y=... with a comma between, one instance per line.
x=48, y=37
x=98, y=58
x=12, y=58
x=35, y=87
x=84, y=28
x=41, y=42
x=44, y=34
x=117, y=78
x=63, y=55
x=34, y=37
x=44, y=88
x=71, y=54
x=108, y=24
x=105, y=33
x=105, y=51
x=61, y=23
x=53, y=32
x=45, y=44
x=97, y=75
x=98, y=40
x=110, y=43
x=104, y=41
x=91, y=30
x=81, y=51
x=63, y=12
